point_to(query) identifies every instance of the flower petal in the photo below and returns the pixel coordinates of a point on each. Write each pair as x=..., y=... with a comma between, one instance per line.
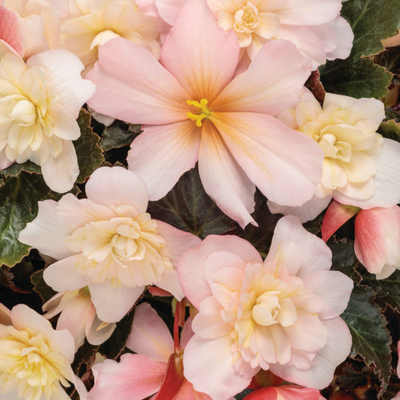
x=60, y=172
x=149, y=335
x=135, y=377
x=117, y=186
x=273, y=82
x=113, y=303
x=12, y=30
x=208, y=365
x=198, y=53
x=223, y=179
x=345, y=38
x=169, y=9
x=47, y=232
x=285, y=392
x=161, y=154
x=140, y=90
x=192, y=263
x=285, y=165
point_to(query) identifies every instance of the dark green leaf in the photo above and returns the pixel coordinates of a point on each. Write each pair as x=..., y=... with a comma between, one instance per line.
x=41, y=287
x=113, y=347
x=390, y=130
x=260, y=237
x=392, y=114
x=118, y=135
x=90, y=155
x=371, y=21
x=189, y=208
x=19, y=198
x=242, y=395
x=390, y=59
x=371, y=339
x=16, y=168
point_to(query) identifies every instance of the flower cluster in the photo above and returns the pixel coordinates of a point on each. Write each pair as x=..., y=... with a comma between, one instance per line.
x=219, y=83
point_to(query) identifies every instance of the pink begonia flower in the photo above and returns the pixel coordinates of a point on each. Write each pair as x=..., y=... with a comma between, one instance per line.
x=314, y=26
x=87, y=25
x=281, y=314
x=108, y=242
x=285, y=392
x=197, y=112
x=392, y=41
x=37, y=29
x=140, y=375
x=40, y=101
x=360, y=168
x=79, y=316
x=35, y=360
x=377, y=235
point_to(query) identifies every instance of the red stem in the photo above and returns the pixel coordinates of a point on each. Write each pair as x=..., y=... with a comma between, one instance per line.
x=176, y=327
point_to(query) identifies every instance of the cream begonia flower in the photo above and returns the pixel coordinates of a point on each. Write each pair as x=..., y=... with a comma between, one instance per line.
x=79, y=316
x=87, y=25
x=35, y=360
x=281, y=314
x=360, y=168
x=38, y=29
x=40, y=101
x=108, y=242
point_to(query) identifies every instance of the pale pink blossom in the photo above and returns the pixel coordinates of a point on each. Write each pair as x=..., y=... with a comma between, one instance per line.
x=284, y=392
x=156, y=365
x=281, y=314
x=377, y=235
x=108, y=242
x=193, y=110
x=35, y=360
x=79, y=316
x=40, y=101
x=360, y=168
x=36, y=27
x=87, y=25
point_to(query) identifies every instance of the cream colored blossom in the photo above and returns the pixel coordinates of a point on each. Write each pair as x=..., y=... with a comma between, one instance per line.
x=35, y=360
x=39, y=103
x=88, y=25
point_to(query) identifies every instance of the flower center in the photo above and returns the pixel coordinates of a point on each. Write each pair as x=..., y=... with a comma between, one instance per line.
x=103, y=37
x=30, y=362
x=204, y=111
x=246, y=20
x=334, y=148
x=22, y=111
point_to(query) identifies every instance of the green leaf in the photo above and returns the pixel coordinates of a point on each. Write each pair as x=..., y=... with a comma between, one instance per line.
x=260, y=237
x=371, y=21
x=390, y=130
x=90, y=155
x=19, y=198
x=392, y=114
x=371, y=340
x=114, y=346
x=189, y=208
x=119, y=135
x=15, y=169
x=41, y=287
x=344, y=259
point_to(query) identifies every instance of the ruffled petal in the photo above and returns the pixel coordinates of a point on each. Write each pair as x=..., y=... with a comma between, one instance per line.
x=12, y=30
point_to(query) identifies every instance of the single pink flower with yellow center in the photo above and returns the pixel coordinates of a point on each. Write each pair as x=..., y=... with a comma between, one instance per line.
x=281, y=314
x=193, y=110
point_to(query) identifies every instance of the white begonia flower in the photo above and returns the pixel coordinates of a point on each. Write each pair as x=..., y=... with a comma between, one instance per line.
x=40, y=101
x=87, y=25
x=360, y=168
x=35, y=360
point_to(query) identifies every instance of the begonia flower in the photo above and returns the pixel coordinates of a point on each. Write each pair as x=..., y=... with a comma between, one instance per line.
x=280, y=315
x=79, y=316
x=377, y=235
x=194, y=111
x=140, y=375
x=40, y=101
x=360, y=168
x=35, y=360
x=108, y=242
x=87, y=25
x=29, y=26
x=284, y=392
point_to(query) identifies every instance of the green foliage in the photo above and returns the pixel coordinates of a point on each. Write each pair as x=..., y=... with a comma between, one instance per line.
x=90, y=155
x=344, y=259
x=118, y=135
x=15, y=169
x=188, y=207
x=371, y=21
x=390, y=130
x=371, y=339
x=19, y=197
x=41, y=287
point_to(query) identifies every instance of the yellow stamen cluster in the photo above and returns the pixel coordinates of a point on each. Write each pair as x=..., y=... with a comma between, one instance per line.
x=204, y=114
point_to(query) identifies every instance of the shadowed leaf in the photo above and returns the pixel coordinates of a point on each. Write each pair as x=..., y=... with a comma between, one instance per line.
x=41, y=287
x=119, y=135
